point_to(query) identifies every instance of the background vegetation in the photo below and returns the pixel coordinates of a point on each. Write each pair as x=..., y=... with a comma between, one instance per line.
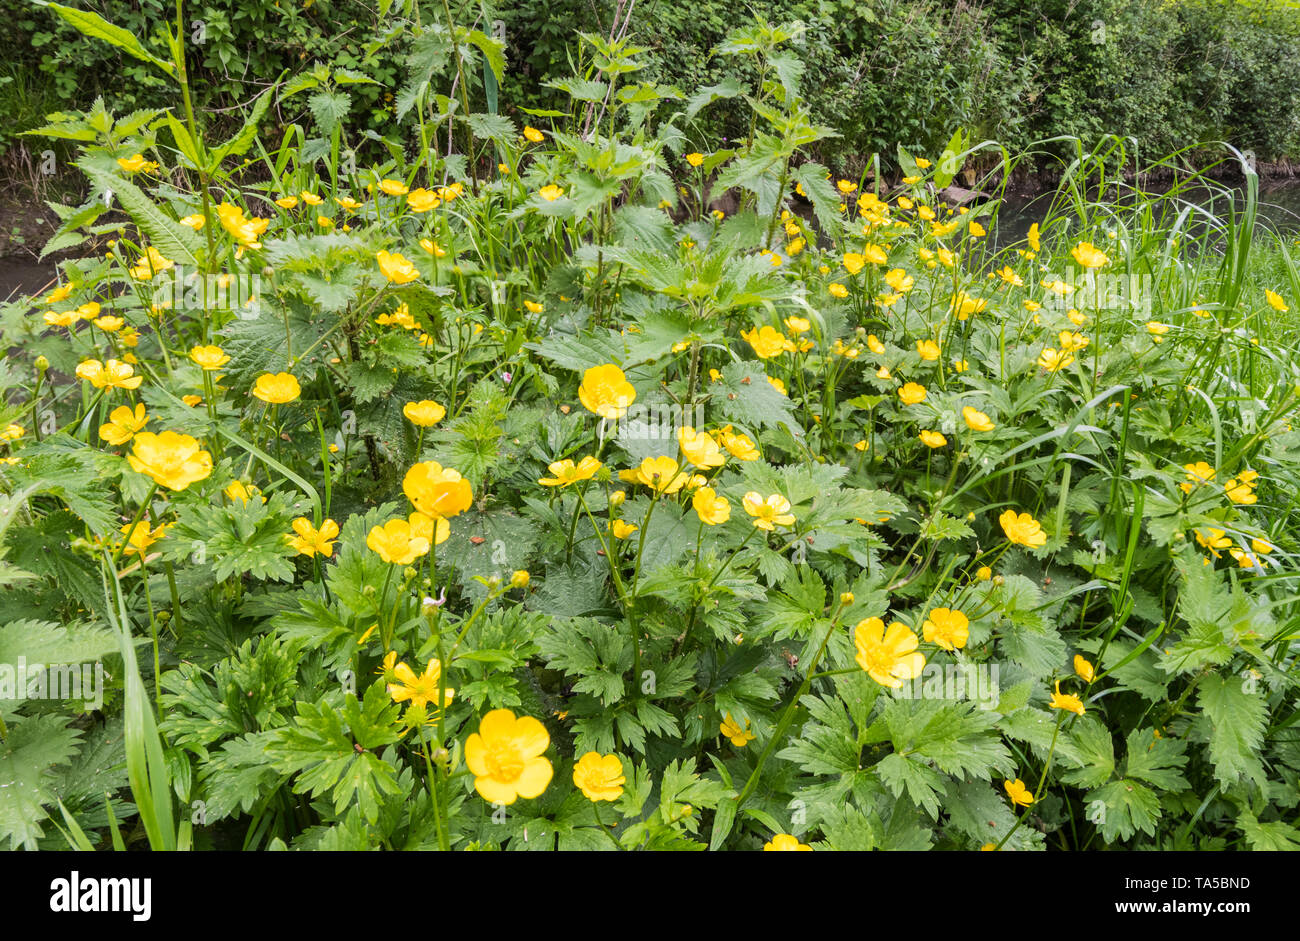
x=1163, y=72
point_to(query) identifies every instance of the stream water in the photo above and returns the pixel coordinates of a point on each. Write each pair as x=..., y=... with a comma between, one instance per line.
x=1279, y=209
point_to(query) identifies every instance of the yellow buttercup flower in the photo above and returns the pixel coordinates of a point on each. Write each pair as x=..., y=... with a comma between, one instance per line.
x=12, y=432
x=424, y=413
x=928, y=350
x=1008, y=275
x=1053, y=360
x=310, y=541
x=505, y=757
x=433, y=248
x=605, y=391
x=565, y=472
x=396, y=268
x=400, y=317
x=61, y=318
x=695, y=159
x=550, y=192
x=946, y=627
x=152, y=262
x=59, y=294
x=395, y=542
x=899, y=280
x=738, y=445
x=888, y=656
x=1246, y=560
x=963, y=305
x=622, y=529
x=1275, y=301
x=1084, y=669
x=393, y=187
x=287, y=202
x=767, y=341
x=1240, y=489
x=1089, y=256
x=1022, y=529
x=599, y=777
x=1198, y=474
x=422, y=200
x=137, y=164
x=660, y=474
x=1019, y=794
x=976, y=420
x=237, y=491
x=276, y=388
x=172, y=459
x=932, y=439
x=1066, y=701
x=422, y=689
x=434, y=529
x=245, y=230
x=740, y=737
x=113, y=374
x=123, y=423
x=1072, y=341
x=209, y=358
x=768, y=512
x=699, y=448
x=437, y=491
x=533, y=135
x=785, y=843
x=838, y=290
x=912, y=393
x=1212, y=539
x=533, y=307
x=139, y=537
x=711, y=508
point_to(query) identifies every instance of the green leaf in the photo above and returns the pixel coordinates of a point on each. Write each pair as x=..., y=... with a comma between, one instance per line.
x=1234, y=720
x=28, y=756
x=238, y=144
x=47, y=643
x=177, y=242
x=493, y=52
x=331, y=750
x=1129, y=807
x=95, y=26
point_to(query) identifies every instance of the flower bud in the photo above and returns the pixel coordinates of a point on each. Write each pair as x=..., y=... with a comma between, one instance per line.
x=617, y=497
x=520, y=579
x=984, y=573
x=42, y=364
x=846, y=598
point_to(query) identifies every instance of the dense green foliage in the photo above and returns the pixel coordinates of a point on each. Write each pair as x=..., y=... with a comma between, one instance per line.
x=1164, y=72
x=502, y=494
